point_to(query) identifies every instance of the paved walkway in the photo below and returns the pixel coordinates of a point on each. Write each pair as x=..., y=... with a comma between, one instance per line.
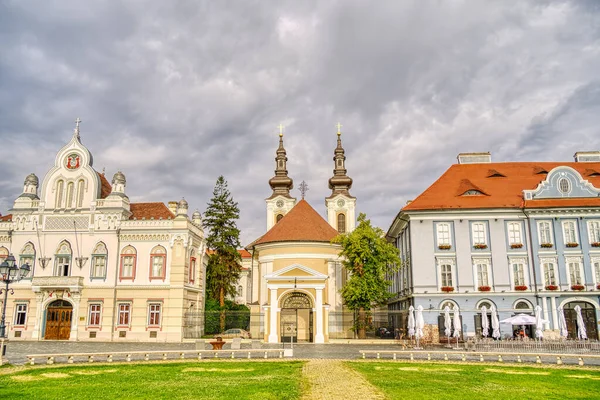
x=332, y=380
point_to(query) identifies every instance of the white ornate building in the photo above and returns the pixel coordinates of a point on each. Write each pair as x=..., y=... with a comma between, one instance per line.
x=103, y=268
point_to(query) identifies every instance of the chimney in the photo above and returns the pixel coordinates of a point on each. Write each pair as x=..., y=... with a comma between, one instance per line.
x=173, y=207
x=474, y=158
x=587, y=156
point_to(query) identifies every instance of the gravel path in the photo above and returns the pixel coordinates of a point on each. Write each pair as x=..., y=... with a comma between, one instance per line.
x=331, y=380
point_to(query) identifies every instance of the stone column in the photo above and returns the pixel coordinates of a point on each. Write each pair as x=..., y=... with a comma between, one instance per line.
x=75, y=316
x=273, y=337
x=319, y=338
x=545, y=312
x=554, y=313
x=39, y=313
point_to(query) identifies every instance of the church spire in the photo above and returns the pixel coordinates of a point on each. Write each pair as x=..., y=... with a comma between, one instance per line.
x=281, y=183
x=76, y=130
x=339, y=183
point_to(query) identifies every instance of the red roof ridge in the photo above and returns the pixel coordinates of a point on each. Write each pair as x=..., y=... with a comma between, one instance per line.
x=301, y=224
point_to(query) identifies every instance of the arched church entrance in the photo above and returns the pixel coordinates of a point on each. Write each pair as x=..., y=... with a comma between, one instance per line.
x=58, y=320
x=296, y=318
x=588, y=313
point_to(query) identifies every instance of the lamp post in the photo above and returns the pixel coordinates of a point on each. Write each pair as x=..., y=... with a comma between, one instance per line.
x=10, y=272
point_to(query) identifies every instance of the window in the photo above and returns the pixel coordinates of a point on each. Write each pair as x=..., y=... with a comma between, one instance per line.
x=278, y=218
x=99, y=257
x=128, y=263
x=124, y=314
x=154, y=310
x=341, y=223
x=472, y=192
x=60, y=186
x=80, y=189
x=564, y=186
x=514, y=233
x=549, y=274
x=240, y=291
x=27, y=256
x=545, y=232
x=569, y=232
x=192, y=271
x=3, y=253
x=443, y=234
x=575, y=273
x=519, y=274
x=479, y=233
x=158, y=258
x=594, y=231
x=446, y=270
x=70, y=188
x=62, y=264
x=21, y=314
x=94, y=315
x=482, y=275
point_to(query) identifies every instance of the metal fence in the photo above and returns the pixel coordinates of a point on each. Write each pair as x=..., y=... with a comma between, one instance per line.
x=533, y=346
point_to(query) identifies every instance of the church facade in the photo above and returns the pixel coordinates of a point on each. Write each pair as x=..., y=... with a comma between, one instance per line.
x=296, y=271
x=103, y=268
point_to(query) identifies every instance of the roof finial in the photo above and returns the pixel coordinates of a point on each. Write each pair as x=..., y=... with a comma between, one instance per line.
x=280, y=130
x=76, y=130
x=339, y=129
x=303, y=188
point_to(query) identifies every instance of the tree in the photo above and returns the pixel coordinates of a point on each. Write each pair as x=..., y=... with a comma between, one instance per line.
x=223, y=268
x=367, y=257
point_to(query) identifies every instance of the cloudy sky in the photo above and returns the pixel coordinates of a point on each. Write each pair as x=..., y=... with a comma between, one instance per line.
x=176, y=93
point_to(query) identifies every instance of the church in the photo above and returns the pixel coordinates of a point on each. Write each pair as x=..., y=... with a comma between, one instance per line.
x=296, y=270
x=102, y=268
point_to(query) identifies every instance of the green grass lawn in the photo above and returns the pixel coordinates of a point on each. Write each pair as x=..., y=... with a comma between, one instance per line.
x=455, y=381
x=200, y=380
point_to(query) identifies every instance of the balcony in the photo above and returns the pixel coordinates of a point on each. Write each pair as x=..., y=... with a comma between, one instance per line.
x=74, y=283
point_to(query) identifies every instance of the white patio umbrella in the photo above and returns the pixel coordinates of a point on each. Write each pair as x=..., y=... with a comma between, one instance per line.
x=562, y=323
x=419, y=324
x=519, y=319
x=495, y=323
x=447, y=321
x=411, y=321
x=539, y=323
x=581, y=332
x=456, y=323
x=485, y=325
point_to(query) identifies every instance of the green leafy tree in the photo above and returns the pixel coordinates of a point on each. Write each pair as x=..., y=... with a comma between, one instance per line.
x=224, y=263
x=367, y=257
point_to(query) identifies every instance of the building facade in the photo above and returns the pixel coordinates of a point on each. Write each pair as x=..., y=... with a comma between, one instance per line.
x=103, y=268
x=295, y=270
x=510, y=235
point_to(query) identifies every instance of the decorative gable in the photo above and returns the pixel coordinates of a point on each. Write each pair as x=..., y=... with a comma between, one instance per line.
x=562, y=182
x=295, y=271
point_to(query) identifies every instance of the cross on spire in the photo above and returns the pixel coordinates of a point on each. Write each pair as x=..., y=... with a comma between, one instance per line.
x=303, y=188
x=76, y=130
x=280, y=130
x=339, y=128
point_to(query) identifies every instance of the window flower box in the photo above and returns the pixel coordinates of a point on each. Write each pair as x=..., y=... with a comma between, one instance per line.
x=484, y=288
x=571, y=244
x=447, y=289
x=516, y=246
x=480, y=246
x=551, y=287
x=577, y=287
x=521, y=288
x=444, y=247
x=595, y=244
x=546, y=245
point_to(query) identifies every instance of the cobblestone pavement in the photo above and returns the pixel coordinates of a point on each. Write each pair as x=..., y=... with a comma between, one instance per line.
x=331, y=379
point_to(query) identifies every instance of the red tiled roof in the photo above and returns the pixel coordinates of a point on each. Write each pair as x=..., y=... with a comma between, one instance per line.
x=105, y=186
x=6, y=218
x=500, y=192
x=301, y=224
x=150, y=210
x=243, y=253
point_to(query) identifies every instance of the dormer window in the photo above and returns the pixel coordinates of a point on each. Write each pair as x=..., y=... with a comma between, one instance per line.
x=472, y=193
x=564, y=186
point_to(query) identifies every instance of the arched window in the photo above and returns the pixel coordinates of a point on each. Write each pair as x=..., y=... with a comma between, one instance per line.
x=192, y=271
x=523, y=305
x=60, y=186
x=128, y=263
x=62, y=259
x=158, y=263
x=3, y=254
x=240, y=291
x=80, y=189
x=27, y=256
x=341, y=223
x=99, y=259
x=70, y=189
x=278, y=218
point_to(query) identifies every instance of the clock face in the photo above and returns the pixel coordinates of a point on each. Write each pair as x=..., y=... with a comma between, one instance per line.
x=341, y=203
x=279, y=203
x=73, y=161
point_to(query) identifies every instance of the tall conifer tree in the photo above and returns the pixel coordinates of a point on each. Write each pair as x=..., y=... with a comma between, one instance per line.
x=224, y=264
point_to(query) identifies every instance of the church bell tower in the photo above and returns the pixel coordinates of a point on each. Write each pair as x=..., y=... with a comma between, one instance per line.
x=280, y=201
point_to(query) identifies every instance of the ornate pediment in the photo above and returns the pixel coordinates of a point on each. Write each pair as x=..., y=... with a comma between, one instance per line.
x=295, y=271
x=562, y=182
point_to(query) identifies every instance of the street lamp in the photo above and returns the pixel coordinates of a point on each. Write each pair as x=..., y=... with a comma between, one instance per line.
x=10, y=272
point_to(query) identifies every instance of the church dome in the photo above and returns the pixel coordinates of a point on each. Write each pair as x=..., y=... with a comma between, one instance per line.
x=196, y=215
x=183, y=203
x=119, y=177
x=32, y=179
